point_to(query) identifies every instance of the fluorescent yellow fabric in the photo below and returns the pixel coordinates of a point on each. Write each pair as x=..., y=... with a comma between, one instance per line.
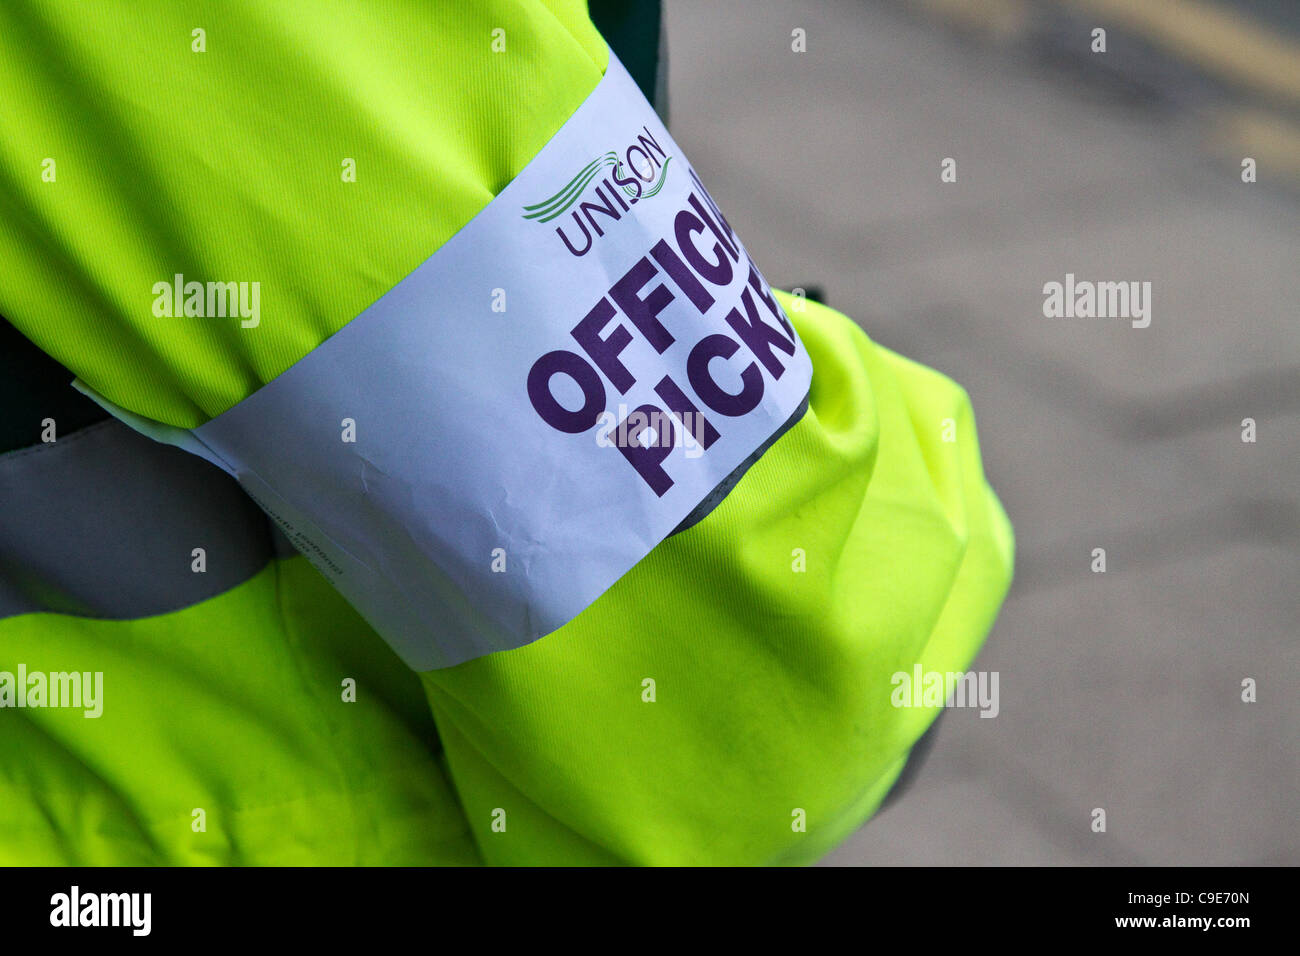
x=234, y=707
x=772, y=685
x=228, y=165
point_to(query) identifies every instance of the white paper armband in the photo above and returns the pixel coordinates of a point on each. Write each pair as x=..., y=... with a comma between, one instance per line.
x=534, y=408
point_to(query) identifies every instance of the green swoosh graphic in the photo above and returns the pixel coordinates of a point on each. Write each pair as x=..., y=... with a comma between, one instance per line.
x=546, y=215
x=663, y=174
x=548, y=209
x=569, y=185
x=558, y=204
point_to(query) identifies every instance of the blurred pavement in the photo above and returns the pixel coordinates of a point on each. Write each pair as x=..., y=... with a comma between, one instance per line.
x=1118, y=690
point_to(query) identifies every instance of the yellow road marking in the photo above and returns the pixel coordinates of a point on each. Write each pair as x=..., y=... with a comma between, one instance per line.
x=1219, y=40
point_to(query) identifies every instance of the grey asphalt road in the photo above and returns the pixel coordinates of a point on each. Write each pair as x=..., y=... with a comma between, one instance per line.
x=1119, y=690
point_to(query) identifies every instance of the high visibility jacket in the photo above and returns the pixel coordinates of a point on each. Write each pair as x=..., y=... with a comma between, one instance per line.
x=727, y=700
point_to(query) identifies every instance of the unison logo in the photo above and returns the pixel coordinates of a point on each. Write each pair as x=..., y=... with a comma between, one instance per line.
x=647, y=162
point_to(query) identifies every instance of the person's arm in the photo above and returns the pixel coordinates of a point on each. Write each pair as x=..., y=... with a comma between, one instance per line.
x=732, y=684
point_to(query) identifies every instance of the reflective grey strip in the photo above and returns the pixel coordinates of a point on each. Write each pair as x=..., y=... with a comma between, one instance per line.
x=103, y=523
x=715, y=497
